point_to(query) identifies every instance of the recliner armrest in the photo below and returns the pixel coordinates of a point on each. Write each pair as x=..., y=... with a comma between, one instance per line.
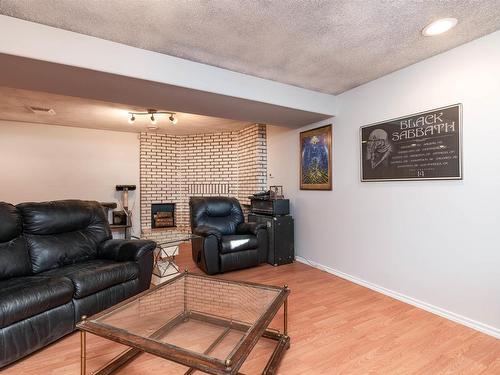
x=125, y=250
x=205, y=231
x=249, y=228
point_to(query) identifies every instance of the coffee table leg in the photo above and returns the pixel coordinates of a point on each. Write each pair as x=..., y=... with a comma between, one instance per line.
x=276, y=357
x=285, y=315
x=282, y=345
x=83, y=353
x=285, y=308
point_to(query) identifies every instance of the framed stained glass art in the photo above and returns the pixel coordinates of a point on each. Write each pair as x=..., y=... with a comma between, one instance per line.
x=316, y=159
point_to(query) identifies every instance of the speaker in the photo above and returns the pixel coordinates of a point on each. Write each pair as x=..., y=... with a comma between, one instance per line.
x=280, y=234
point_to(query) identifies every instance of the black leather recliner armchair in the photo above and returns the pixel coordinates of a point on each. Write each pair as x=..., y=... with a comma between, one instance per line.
x=226, y=242
x=57, y=263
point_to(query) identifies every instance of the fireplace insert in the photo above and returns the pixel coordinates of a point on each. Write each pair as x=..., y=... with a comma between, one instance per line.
x=162, y=215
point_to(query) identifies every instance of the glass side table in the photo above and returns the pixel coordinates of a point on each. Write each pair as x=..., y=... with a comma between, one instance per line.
x=168, y=242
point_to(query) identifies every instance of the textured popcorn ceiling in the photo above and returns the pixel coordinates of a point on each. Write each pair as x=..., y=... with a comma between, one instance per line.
x=328, y=46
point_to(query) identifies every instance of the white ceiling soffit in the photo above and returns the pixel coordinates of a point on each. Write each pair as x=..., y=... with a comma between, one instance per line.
x=86, y=113
x=44, y=43
x=324, y=45
x=36, y=75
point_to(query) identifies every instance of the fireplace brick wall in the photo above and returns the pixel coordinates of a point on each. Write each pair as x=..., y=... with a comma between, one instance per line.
x=252, y=162
x=173, y=168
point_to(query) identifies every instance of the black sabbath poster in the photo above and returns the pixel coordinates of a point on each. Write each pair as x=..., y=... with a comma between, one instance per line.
x=423, y=146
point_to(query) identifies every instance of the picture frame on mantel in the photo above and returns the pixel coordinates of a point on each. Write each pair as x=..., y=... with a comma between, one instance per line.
x=316, y=158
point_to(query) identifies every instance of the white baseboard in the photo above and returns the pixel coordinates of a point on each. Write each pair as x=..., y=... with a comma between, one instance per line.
x=478, y=326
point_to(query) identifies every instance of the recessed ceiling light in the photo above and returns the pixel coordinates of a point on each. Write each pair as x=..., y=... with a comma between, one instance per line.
x=440, y=26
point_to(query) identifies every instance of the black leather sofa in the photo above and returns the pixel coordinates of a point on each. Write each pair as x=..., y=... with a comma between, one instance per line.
x=226, y=242
x=57, y=263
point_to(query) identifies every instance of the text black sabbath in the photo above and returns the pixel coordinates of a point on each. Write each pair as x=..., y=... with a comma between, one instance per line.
x=421, y=146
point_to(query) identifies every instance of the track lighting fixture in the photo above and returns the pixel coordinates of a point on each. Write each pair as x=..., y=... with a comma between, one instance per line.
x=151, y=113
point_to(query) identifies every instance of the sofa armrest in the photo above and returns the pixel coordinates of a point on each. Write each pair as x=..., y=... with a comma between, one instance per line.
x=205, y=231
x=125, y=250
x=250, y=228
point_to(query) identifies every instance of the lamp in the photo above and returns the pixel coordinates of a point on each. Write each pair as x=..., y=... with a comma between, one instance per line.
x=173, y=119
x=151, y=113
x=124, y=203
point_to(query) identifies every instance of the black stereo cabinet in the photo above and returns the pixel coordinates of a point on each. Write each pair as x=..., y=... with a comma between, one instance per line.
x=273, y=207
x=280, y=234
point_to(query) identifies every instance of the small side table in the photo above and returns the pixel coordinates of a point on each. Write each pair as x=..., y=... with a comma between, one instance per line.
x=164, y=261
x=168, y=242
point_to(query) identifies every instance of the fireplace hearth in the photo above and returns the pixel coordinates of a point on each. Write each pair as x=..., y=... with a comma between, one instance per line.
x=162, y=215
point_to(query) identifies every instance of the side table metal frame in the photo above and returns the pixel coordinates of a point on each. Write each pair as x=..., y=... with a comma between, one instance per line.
x=163, y=256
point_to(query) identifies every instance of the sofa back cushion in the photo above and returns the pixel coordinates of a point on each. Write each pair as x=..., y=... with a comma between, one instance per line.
x=221, y=213
x=63, y=232
x=14, y=258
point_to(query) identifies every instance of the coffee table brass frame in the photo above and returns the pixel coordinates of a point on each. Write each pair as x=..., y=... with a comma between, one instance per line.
x=195, y=361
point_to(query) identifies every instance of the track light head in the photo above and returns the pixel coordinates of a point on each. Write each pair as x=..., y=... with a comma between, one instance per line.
x=153, y=120
x=131, y=119
x=173, y=119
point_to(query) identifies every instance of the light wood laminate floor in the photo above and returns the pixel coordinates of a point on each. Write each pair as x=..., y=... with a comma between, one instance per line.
x=336, y=327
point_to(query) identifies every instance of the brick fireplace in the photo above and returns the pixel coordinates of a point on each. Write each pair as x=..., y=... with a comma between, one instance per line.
x=174, y=168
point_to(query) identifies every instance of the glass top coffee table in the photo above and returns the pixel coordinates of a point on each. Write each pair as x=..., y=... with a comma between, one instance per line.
x=205, y=323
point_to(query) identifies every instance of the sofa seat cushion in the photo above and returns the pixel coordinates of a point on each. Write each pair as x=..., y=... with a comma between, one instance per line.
x=240, y=242
x=24, y=297
x=95, y=275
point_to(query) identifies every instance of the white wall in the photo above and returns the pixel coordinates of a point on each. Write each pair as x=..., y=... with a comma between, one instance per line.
x=431, y=243
x=44, y=162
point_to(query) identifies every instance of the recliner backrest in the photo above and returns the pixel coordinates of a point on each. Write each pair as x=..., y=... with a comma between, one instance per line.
x=63, y=232
x=221, y=213
x=14, y=258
